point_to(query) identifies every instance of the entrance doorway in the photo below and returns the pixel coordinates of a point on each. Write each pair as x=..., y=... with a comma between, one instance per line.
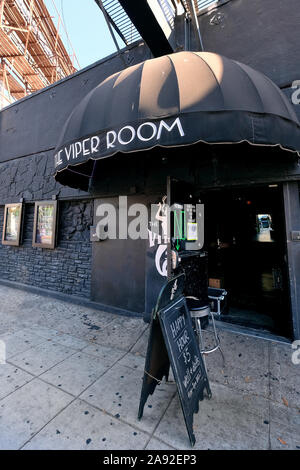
x=246, y=244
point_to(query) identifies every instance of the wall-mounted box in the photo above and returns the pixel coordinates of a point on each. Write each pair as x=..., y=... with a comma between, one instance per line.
x=295, y=235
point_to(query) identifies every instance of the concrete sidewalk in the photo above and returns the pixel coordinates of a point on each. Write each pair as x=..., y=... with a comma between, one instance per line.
x=72, y=380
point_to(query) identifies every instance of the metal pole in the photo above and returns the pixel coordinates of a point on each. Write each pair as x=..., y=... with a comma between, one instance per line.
x=169, y=246
x=100, y=4
x=195, y=23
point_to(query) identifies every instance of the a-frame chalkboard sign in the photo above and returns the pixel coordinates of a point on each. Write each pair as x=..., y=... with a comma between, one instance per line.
x=172, y=341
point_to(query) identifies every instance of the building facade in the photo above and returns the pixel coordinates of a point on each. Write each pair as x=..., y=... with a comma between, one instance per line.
x=237, y=184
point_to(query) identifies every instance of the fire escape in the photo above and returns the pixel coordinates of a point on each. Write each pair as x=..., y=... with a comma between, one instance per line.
x=154, y=21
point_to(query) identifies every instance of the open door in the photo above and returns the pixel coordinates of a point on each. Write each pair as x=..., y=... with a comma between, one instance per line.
x=246, y=244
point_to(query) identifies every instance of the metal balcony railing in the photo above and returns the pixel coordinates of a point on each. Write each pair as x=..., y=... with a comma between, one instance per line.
x=202, y=5
x=120, y=21
x=125, y=28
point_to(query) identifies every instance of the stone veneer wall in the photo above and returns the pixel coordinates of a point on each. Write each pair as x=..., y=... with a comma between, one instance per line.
x=31, y=178
x=65, y=269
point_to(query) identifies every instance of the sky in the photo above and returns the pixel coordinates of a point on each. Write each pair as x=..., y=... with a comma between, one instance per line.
x=86, y=28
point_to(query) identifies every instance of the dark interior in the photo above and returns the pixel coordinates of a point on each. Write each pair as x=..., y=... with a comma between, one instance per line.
x=245, y=241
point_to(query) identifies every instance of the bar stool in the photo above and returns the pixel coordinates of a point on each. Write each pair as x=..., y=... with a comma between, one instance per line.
x=200, y=312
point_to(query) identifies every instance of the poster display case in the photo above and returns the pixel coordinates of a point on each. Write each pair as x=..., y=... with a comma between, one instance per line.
x=44, y=227
x=12, y=225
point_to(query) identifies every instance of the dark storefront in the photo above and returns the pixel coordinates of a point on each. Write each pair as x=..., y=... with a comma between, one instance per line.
x=186, y=128
x=249, y=255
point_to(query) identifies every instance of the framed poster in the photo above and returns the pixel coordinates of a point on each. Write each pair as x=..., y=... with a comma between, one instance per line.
x=12, y=224
x=44, y=226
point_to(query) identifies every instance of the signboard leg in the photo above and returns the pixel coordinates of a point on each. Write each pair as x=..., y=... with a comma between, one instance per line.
x=157, y=364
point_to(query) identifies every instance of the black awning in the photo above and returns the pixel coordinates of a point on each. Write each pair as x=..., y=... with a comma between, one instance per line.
x=174, y=100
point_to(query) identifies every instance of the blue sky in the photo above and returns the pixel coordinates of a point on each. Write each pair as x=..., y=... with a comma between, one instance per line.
x=86, y=28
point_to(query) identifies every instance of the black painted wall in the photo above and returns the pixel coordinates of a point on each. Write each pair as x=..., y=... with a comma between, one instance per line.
x=264, y=34
x=31, y=178
x=65, y=269
x=33, y=125
x=29, y=130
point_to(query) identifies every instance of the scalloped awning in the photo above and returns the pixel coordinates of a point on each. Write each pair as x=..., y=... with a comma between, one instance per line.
x=174, y=100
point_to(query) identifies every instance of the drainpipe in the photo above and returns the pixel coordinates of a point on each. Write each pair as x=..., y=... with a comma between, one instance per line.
x=195, y=24
x=187, y=33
